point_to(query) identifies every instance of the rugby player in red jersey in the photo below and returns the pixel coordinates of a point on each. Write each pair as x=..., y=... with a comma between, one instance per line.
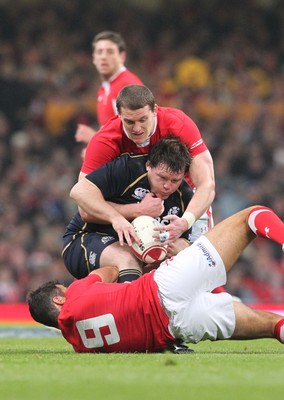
x=109, y=55
x=171, y=303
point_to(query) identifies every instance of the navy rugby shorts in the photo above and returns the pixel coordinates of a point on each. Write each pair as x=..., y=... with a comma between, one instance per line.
x=81, y=254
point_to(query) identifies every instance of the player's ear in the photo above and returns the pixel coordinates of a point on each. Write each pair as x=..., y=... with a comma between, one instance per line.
x=155, y=109
x=123, y=56
x=59, y=300
x=147, y=165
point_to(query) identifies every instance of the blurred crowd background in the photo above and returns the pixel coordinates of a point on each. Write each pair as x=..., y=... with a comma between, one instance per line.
x=222, y=62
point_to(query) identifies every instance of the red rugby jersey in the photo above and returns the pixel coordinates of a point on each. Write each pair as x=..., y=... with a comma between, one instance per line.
x=111, y=141
x=108, y=93
x=114, y=317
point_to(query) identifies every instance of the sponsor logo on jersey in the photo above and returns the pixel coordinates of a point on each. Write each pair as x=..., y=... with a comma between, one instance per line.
x=92, y=258
x=209, y=258
x=172, y=211
x=140, y=193
x=106, y=239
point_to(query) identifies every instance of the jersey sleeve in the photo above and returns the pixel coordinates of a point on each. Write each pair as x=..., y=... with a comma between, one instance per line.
x=177, y=122
x=111, y=178
x=80, y=284
x=98, y=153
x=104, y=146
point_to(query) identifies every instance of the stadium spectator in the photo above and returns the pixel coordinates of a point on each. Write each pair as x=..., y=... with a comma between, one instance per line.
x=174, y=302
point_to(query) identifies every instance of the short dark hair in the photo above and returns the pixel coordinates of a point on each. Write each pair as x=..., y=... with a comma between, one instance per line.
x=134, y=97
x=113, y=37
x=171, y=152
x=41, y=306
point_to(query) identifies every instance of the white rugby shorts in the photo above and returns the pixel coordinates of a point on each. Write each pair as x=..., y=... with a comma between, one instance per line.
x=185, y=283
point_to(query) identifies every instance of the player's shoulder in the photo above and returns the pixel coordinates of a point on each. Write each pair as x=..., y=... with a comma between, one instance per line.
x=170, y=113
x=176, y=121
x=172, y=120
x=131, y=160
x=129, y=165
x=112, y=129
x=128, y=77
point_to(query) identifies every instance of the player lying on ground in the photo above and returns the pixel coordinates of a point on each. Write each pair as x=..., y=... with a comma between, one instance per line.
x=173, y=302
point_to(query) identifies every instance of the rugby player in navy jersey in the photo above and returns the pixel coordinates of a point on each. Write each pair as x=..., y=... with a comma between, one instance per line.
x=153, y=184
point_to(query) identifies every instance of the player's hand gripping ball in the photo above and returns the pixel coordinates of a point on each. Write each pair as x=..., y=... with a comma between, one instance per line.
x=148, y=251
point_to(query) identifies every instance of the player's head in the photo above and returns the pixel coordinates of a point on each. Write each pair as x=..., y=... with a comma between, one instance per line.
x=45, y=303
x=167, y=163
x=109, y=53
x=137, y=109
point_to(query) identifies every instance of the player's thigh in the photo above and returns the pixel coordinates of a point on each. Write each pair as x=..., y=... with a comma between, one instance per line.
x=83, y=254
x=194, y=270
x=120, y=256
x=207, y=316
x=231, y=236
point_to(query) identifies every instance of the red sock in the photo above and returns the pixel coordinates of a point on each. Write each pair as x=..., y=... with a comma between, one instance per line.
x=279, y=330
x=219, y=289
x=264, y=222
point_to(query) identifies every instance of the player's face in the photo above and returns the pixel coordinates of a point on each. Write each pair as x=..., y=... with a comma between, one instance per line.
x=162, y=181
x=107, y=58
x=138, y=124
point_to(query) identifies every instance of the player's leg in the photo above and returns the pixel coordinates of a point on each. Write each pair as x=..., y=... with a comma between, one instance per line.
x=130, y=268
x=256, y=324
x=92, y=250
x=200, y=227
x=231, y=236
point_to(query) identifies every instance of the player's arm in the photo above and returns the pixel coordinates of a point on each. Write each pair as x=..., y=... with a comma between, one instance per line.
x=91, y=201
x=81, y=175
x=201, y=173
x=150, y=205
x=178, y=245
x=107, y=274
x=202, y=176
x=84, y=133
x=129, y=211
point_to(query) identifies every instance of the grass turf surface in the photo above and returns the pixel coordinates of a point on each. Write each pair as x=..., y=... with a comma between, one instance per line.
x=47, y=368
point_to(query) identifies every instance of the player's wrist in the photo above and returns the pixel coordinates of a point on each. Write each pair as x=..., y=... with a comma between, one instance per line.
x=189, y=217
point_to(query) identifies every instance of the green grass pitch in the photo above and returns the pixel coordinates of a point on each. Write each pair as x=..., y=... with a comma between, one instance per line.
x=47, y=368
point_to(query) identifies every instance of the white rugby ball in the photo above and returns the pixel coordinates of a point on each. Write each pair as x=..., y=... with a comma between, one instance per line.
x=148, y=251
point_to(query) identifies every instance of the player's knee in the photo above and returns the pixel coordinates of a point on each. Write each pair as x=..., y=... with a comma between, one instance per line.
x=127, y=260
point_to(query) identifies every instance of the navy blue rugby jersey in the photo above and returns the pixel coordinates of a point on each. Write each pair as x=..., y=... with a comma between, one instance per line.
x=124, y=181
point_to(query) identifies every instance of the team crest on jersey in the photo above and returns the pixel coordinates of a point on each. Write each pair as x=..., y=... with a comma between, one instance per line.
x=140, y=193
x=173, y=211
x=106, y=239
x=92, y=258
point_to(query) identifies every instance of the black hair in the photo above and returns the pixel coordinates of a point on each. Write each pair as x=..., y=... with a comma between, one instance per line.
x=171, y=152
x=41, y=306
x=113, y=37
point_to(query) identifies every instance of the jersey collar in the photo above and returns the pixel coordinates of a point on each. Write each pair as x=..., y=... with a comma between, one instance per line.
x=113, y=77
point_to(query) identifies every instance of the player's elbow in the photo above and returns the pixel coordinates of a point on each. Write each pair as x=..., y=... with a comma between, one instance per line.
x=84, y=216
x=76, y=193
